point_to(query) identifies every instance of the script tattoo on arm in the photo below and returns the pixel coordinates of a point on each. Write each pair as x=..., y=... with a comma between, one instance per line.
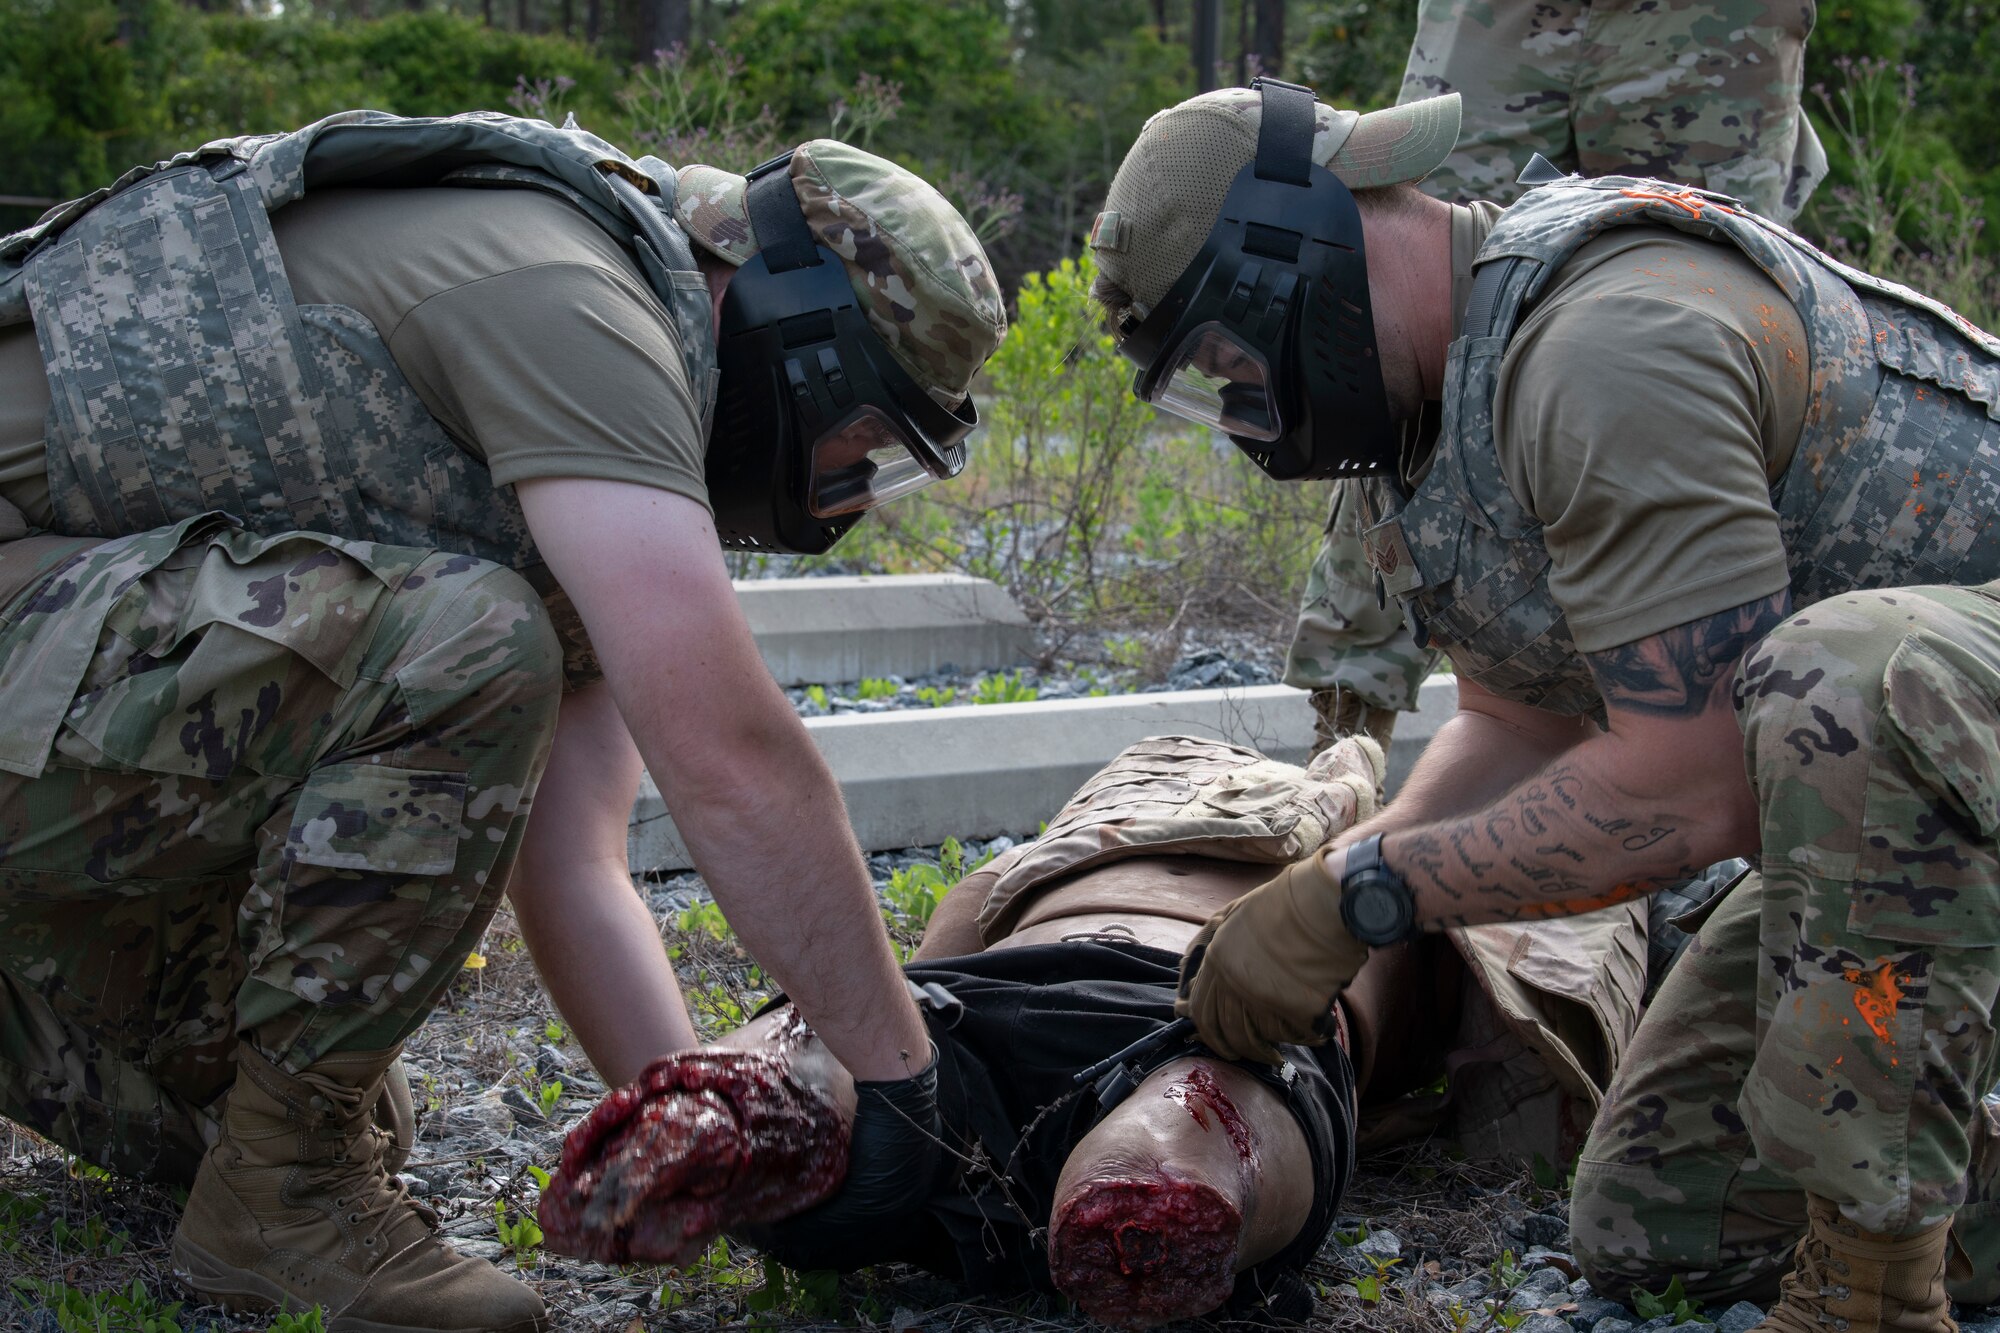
x=1580, y=835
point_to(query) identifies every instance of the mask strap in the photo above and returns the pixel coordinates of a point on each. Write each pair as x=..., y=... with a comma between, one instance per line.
x=1285, y=134
x=783, y=238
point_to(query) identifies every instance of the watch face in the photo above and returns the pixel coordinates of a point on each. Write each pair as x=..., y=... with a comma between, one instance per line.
x=1378, y=913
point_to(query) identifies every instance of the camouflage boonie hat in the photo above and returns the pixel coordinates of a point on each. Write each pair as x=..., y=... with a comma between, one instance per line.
x=1169, y=188
x=920, y=273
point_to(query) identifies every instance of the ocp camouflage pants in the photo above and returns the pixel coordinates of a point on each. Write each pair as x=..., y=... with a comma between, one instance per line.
x=1705, y=92
x=256, y=787
x=1831, y=1027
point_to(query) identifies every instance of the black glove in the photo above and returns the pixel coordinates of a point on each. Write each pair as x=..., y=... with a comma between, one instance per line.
x=893, y=1157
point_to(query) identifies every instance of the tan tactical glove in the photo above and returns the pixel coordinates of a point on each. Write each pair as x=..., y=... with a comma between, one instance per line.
x=1266, y=968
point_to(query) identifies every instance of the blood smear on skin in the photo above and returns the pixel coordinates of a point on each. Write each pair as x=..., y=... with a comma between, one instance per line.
x=1199, y=1094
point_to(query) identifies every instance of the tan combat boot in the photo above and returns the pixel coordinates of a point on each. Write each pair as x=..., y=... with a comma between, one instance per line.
x=1846, y=1280
x=292, y=1208
x=396, y=1116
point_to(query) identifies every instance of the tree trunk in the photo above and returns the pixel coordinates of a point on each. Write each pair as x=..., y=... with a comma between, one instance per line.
x=569, y=18
x=593, y=20
x=1160, y=18
x=1268, y=43
x=521, y=15
x=1242, y=43
x=1205, y=43
x=486, y=11
x=663, y=25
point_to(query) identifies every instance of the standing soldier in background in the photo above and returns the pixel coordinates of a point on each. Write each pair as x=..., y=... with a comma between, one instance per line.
x=1704, y=92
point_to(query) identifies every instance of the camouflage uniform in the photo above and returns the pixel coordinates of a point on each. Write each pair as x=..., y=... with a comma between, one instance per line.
x=1830, y=1029
x=1702, y=92
x=352, y=731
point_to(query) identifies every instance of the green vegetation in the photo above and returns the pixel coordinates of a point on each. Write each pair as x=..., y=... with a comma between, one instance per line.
x=1673, y=1301
x=1004, y=687
x=130, y=1309
x=521, y=1236
x=310, y=1321
x=874, y=687
x=937, y=696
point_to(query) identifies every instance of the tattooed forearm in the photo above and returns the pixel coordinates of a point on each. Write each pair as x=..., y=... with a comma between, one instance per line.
x=1678, y=671
x=1557, y=845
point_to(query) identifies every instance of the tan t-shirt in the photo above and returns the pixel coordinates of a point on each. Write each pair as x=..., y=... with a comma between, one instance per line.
x=1645, y=407
x=526, y=330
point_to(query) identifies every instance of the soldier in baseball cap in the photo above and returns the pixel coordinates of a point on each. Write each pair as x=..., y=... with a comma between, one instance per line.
x=1637, y=460
x=1231, y=217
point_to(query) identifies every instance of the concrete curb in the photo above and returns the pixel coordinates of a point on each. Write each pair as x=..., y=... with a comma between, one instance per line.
x=916, y=777
x=817, y=631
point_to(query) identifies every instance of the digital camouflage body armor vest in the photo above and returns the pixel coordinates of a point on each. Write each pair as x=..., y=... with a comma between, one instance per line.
x=1895, y=481
x=186, y=378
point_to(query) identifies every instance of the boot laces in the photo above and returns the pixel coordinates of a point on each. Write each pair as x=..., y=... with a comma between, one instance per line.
x=1806, y=1290
x=371, y=1203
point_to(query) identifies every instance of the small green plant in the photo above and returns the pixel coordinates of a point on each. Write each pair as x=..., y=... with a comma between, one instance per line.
x=91, y=1236
x=1510, y=1319
x=520, y=1237
x=1505, y=1272
x=306, y=1321
x=1671, y=1302
x=814, y=1295
x=1369, y=1285
x=913, y=892
x=1004, y=687
x=539, y=1176
x=875, y=687
x=817, y=693
x=547, y=1096
x=937, y=696
x=705, y=918
x=554, y=1033
x=130, y=1309
x=1126, y=650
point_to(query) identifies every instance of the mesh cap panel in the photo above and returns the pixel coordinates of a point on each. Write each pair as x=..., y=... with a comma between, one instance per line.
x=1170, y=187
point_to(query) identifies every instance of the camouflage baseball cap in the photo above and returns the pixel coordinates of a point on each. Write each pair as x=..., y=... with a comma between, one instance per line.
x=1169, y=188
x=923, y=280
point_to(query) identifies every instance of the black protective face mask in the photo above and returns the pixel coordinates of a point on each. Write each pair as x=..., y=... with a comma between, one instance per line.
x=815, y=423
x=1268, y=336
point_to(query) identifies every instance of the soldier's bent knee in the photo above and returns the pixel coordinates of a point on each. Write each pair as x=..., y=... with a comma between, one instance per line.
x=1810, y=690
x=462, y=625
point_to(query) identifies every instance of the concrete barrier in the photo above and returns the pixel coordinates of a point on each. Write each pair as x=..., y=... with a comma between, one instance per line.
x=816, y=631
x=916, y=777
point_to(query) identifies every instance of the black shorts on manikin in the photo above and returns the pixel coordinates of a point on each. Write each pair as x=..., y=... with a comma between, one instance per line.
x=1023, y=1023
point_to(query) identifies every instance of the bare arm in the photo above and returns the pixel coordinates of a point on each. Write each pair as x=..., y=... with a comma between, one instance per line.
x=1654, y=799
x=749, y=792
x=1487, y=747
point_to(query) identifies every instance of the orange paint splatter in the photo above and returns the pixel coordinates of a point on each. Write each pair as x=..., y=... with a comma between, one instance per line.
x=1686, y=200
x=1876, y=995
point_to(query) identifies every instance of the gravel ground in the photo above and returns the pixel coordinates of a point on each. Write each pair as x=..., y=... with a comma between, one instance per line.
x=1239, y=663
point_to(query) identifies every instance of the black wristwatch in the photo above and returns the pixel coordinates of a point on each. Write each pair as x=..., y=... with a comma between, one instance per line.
x=1375, y=905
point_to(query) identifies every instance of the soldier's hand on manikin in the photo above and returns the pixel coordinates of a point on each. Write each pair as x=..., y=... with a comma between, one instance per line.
x=1266, y=968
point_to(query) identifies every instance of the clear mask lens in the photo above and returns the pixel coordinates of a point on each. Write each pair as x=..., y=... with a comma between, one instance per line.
x=863, y=464
x=1217, y=381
